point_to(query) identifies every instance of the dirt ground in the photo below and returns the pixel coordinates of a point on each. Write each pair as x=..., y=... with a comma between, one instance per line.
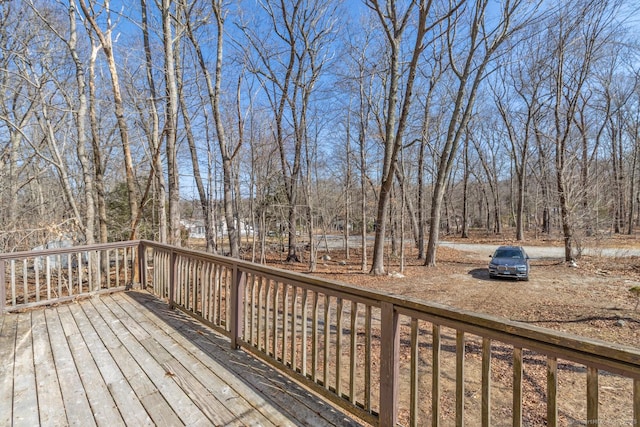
x=591, y=299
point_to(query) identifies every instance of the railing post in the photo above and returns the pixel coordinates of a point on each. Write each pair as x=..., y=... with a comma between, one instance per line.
x=3, y=287
x=389, y=365
x=237, y=307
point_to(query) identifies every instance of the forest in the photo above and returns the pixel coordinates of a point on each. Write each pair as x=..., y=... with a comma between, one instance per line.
x=391, y=122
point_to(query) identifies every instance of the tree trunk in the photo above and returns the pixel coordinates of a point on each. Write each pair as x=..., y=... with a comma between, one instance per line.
x=171, y=124
x=107, y=48
x=465, y=192
x=81, y=125
x=154, y=132
x=394, y=131
x=103, y=233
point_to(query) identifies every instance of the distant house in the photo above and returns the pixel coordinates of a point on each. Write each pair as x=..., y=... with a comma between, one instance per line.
x=55, y=261
x=197, y=230
x=338, y=225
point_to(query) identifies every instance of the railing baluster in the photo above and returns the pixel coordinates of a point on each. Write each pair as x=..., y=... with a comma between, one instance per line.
x=314, y=339
x=353, y=359
x=25, y=282
x=188, y=283
x=59, y=273
x=127, y=251
x=37, y=282
x=294, y=328
x=70, y=273
x=250, y=300
x=80, y=267
x=90, y=261
x=274, y=323
x=339, y=315
x=3, y=287
x=327, y=331
x=98, y=283
x=48, y=278
x=592, y=396
x=173, y=279
x=435, y=377
x=414, y=355
x=305, y=333
x=160, y=273
x=179, y=289
x=260, y=321
x=216, y=295
x=194, y=273
x=517, y=387
x=486, y=382
x=636, y=402
x=552, y=391
x=117, y=262
x=268, y=313
x=367, y=359
x=227, y=296
x=285, y=323
x=13, y=282
x=205, y=288
x=460, y=352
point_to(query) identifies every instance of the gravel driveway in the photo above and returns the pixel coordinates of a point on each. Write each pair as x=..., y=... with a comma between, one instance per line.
x=544, y=252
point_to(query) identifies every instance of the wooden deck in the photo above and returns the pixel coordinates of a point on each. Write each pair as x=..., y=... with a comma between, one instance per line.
x=126, y=359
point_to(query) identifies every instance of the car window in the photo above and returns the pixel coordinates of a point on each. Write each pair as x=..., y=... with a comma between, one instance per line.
x=508, y=253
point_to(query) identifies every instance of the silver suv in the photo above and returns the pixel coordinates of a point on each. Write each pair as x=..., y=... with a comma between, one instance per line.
x=509, y=261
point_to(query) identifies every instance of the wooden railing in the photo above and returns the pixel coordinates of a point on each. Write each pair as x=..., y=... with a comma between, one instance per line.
x=393, y=360
x=41, y=277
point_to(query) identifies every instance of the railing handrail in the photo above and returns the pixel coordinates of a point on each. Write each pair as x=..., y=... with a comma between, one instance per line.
x=58, y=251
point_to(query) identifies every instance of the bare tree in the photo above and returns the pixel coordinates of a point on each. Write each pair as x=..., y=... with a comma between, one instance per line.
x=228, y=151
x=517, y=90
x=152, y=129
x=632, y=128
x=470, y=52
x=171, y=122
x=394, y=23
x=17, y=109
x=362, y=73
x=104, y=35
x=433, y=72
x=288, y=78
x=577, y=38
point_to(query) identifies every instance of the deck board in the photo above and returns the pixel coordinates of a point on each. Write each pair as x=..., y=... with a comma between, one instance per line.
x=49, y=394
x=76, y=405
x=154, y=404
x=126, y=359
x=24, y=385
x=7, y=353
x=103, y=406
x=207, y=388
x=131, y=410
x=268, y=390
